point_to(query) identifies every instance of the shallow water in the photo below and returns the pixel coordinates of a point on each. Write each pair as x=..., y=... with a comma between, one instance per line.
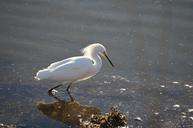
x=150, y=43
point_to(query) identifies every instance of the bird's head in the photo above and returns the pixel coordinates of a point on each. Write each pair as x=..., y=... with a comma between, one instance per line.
x=97, y=48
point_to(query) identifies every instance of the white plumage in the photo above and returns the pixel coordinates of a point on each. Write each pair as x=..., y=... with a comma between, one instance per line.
x=75, y=68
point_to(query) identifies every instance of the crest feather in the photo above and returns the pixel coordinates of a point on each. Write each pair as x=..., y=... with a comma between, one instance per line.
x=88, y=49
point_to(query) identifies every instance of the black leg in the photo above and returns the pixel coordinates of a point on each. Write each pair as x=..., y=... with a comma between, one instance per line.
x=50, y=90
x=68, y=90
x=55, y=87
x=51, y=94
x=68, y=87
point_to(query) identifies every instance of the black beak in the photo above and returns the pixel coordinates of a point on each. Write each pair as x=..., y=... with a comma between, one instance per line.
x=108, y=59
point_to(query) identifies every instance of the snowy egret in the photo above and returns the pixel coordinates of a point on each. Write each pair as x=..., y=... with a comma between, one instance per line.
x=75, y=69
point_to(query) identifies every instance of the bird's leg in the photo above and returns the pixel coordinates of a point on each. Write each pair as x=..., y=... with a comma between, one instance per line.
x=50, y=90
x=67, y=89
x=51, y=94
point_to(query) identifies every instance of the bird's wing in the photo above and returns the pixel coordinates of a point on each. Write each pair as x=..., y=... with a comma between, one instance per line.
x=55, y=64
x=74, y=63
x=74, y=69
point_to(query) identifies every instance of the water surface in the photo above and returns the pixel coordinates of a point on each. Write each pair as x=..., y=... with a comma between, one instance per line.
x=150, y=43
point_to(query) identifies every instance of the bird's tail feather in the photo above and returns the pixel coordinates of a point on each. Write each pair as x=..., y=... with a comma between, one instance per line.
x=42, y=74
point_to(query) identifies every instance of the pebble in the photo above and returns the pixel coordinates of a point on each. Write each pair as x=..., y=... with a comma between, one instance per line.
x=122, y=89
x=190, y=110
x=138, y=119
x=176, y=106
x=191, y=118
x=187, y=85
x=106, y=82
x=175, y=82
x=101, y=92
x=79, y=116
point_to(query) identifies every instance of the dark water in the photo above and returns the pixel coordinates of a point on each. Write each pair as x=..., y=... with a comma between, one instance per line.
x=150, y=43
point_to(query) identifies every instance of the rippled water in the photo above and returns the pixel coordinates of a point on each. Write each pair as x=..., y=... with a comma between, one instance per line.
x=150, y=43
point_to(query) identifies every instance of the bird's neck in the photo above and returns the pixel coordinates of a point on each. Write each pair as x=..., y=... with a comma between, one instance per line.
x=97, y=61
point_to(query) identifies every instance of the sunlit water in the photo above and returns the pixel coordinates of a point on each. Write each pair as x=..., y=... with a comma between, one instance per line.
x=150, y=43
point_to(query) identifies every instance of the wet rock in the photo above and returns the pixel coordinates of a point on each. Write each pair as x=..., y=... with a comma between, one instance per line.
x=176, y=105
x=191, y=118
x=138, y=119
x=187, y=85
x=67, y=112
x=106, y=82
x=175, y=82
x=7, y=126
x=190, y=110
x=112, y=119
x=122, y=90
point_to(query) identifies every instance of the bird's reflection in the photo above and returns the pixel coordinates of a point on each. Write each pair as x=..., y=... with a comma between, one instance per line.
x=67, y=112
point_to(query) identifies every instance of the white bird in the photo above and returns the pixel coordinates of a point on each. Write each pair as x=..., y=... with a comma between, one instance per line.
x=75, y=69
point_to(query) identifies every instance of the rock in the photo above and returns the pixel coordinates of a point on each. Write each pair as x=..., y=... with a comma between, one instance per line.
x=191, y=118
x=176, y=105
x=175, y=82
x=187, y=85
x=190, y=110
x=112, y=119
x=7, y=126
x=138, y=119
